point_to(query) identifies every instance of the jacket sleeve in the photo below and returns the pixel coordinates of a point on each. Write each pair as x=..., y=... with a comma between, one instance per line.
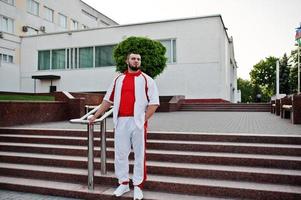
x=153, y=93
x=110, y=92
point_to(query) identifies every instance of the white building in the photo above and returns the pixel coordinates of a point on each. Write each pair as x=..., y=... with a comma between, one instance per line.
x=31, y=17
x=201, y=63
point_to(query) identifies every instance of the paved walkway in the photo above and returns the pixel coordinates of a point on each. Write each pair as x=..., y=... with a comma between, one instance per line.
x=209, y=122
x=12, y=195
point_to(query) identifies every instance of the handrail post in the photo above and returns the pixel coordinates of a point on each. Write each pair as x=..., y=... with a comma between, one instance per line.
x=90, y=157
x=90, y=129
x=103, y=156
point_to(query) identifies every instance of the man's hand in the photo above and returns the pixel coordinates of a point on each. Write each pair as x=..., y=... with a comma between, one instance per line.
x=151, y=109
x=103, y=108
x=91, y=119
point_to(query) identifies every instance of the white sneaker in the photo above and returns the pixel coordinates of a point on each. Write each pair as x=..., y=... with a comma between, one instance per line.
x=121, y=190
x=138, y=193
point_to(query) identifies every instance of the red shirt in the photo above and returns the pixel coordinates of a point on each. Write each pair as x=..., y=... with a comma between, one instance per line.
x=127, y=100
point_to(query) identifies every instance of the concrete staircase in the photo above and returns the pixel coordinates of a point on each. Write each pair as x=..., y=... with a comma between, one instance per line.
x=186, y=166
x=240, y=107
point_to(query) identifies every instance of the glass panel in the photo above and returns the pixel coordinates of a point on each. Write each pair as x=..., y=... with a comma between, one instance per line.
x=74, y=25
x=10, y=59
x=10, y=27
x=104, y=56
x=11, y=2
x=86, y=57
x=6, y=24
x=68, y=64
x=174, y=50
x=36, y=8
x=71, y=59
x=167, y=45
x=75, y=58
x=58, y=59
x=48, y=14
x=63, y=21
x=5, y=58
x=44, y=60
x=33, y=7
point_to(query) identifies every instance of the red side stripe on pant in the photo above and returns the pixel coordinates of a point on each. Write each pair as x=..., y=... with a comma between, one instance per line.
x=141, y=185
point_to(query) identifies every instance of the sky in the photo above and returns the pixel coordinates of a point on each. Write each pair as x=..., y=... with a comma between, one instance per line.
x=260, y=28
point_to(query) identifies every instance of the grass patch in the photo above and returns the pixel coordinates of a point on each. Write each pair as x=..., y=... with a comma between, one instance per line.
x=24, y=97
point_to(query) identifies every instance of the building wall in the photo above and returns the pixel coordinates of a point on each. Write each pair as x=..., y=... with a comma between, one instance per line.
x=202, y=69
x=10, y=42
x=22, y=17
x=10, y=71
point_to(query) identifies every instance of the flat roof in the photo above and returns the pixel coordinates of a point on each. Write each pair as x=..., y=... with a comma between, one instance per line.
x=135, y=24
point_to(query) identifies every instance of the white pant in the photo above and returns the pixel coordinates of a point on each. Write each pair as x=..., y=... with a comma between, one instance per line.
x=127, y=134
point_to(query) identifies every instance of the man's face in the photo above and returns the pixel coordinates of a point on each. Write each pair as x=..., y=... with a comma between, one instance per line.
x=134, y=62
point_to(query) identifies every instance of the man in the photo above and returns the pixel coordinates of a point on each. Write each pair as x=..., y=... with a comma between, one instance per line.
x=135, y=98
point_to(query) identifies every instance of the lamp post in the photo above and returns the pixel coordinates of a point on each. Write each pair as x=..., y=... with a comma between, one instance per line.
x=277, y=78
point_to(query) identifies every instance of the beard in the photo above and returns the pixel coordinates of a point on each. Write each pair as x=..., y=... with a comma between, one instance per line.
x=134, y=68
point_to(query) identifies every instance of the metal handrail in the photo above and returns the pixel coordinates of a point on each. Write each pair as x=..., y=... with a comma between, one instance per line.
x=90, y=128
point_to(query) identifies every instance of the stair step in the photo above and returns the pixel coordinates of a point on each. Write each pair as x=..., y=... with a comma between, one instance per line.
x=195, y=186
x=81, y=191
x=255, y=174
x=235, y=147
x=183, y=136
x=271, y=161
x=192, y=165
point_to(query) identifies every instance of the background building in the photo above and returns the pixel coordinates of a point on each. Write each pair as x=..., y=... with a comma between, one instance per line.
x=31, y=17
x=201, y=62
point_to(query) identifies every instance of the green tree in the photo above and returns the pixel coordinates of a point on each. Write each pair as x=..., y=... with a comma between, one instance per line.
x=284, y=75
x=293, y=78
x=246, y=89
x=263, y=74
x=152, y=52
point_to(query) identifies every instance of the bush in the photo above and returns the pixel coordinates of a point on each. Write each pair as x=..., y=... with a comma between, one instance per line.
x=153, y=60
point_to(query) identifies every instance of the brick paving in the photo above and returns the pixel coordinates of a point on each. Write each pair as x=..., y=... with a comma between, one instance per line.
x=208, y=122
x=12, y=195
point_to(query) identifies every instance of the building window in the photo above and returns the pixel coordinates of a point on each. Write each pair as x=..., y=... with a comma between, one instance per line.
x=44, y=60
x=74, y=25
x=104, y=56
x=86, y=57
x=11, y=2
x=33, y=7
x=48, y=14
x=58, y=59
x=89, y=15
x=75, y=58
x=6, y=24
x=170, y=53
x=5, y=58
x=62, y=21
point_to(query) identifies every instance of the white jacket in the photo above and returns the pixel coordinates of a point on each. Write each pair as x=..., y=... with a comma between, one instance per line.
x=142, y=90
